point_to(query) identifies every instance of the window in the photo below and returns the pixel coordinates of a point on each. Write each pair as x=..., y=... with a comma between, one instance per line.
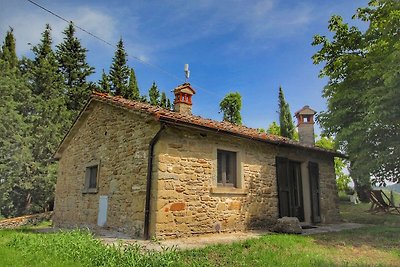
x=227, y=169
x=91, y=179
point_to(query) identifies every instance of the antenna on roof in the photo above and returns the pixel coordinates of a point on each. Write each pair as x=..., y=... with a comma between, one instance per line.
x=187, y=72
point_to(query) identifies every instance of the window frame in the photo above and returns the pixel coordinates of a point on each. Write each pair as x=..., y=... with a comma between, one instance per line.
x=227, y=162
x=88, y=177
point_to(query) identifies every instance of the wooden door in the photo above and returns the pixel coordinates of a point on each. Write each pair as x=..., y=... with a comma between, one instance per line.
x=284, y=197
x=313, y=170
x=290, y=193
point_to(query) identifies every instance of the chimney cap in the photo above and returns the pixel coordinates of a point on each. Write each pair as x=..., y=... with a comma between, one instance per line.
x=186, y=88
x=306, y=110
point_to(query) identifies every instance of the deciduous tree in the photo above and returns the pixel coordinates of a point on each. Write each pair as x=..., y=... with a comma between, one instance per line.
x=363, y=109
x=230, y=106
x=342, y=179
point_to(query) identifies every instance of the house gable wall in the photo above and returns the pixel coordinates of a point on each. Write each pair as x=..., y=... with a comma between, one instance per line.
x=118, y=140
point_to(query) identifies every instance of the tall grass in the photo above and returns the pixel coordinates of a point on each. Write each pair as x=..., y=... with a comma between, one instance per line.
x=80, y=246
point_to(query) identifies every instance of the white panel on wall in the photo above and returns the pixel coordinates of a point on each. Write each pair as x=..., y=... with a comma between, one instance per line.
x=103, y=205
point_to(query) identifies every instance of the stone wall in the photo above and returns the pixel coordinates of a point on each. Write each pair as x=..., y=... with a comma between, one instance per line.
x=187, y=199
x=118, y=140
x=329, y=199
x=27, y=220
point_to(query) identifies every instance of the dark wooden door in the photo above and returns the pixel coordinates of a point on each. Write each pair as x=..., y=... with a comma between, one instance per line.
x=290, y=193
x=313, y=170
x=284, y=197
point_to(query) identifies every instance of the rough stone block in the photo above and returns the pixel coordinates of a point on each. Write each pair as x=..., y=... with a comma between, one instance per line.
x=177, y=206
x=290, y=225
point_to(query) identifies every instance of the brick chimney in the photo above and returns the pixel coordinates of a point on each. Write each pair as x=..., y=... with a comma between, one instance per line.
x=183, y=99
x=305, y=125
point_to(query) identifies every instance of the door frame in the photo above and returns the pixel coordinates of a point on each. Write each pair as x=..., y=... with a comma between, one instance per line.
x=285, y=168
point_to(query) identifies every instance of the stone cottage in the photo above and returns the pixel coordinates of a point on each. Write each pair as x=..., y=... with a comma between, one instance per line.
x=148, y=171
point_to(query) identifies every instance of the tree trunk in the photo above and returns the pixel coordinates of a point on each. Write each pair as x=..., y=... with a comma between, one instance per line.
x=362, y=190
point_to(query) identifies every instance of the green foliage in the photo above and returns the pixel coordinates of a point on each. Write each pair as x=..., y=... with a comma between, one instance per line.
x=163, y=100
x=287, y=128
x=50, y=121
x=15, y=139
x=119, y=71
x=274, y=129
x=154, y=95
x=362, y=92
x=34, y=118
x=342, y=179
x=8, y=51
x=104, y=84
x=169, y=105
x=231, y=106
x=71, y=57
x=133, y=89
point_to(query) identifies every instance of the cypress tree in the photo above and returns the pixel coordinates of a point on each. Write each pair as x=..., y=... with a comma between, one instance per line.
x=71, y=57
x=119, y=71
x=154, y=95
x=287, y=127
x=132, y=89
x=104, y=84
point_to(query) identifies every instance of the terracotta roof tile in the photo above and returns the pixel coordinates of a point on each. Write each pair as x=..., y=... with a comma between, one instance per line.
x=162, y=114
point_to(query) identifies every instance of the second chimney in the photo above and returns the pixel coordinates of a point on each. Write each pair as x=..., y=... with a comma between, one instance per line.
x=183, y=99
x=305, y=125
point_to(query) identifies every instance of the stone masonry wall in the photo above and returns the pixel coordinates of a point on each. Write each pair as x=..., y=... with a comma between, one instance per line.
x=187, y=199
x=118, y=140
x=329, y=199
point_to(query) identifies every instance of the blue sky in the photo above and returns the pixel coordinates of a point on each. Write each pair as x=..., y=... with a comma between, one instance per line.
x=251, y=47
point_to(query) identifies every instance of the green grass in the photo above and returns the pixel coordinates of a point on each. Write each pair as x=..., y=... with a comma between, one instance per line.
x=375, y=245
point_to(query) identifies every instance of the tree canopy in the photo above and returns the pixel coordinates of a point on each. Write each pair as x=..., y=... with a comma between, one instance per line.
x=363, y=103
x=342, y=179
x=71, y=57
x=119, y=71
x=133, y=88
x=230, y=106
x=154, y=95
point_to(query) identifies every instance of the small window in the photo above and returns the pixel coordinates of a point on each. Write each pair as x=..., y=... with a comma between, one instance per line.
x=91, y=179
x=227, y=169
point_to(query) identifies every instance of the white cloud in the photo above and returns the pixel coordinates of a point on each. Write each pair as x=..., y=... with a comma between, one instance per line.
x=29, y=22
x=252, y=22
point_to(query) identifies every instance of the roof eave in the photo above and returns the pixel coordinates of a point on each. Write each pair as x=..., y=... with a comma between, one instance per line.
x=277, y=142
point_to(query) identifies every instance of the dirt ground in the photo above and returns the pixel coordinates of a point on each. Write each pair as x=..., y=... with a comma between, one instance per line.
x=109, y=237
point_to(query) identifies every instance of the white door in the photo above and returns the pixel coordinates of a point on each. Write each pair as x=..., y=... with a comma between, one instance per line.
x=102, y=217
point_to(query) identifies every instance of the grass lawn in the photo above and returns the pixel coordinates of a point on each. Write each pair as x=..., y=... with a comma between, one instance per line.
x=375, y=245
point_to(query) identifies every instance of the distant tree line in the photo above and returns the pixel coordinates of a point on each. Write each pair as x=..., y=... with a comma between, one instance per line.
x=40, y=98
